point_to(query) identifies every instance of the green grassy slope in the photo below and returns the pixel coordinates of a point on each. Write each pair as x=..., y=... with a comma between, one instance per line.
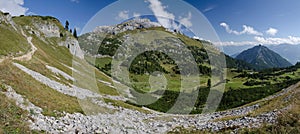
x=12, y=43
x=49, y=53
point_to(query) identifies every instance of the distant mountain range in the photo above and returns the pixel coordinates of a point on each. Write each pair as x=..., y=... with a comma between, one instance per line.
x=290, y=52
x=262, y=57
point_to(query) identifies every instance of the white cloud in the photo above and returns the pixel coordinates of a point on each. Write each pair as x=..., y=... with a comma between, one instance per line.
x=160, y=11
x=166, y=18
x=246, y=30
x=123, y=15
x=293, y=40
x=276, y=41
x=250, y=30
x=75, y=1
x=272, y=31
x=14, y=7
x=233, y=43
x=228, y=30
x=186, y=21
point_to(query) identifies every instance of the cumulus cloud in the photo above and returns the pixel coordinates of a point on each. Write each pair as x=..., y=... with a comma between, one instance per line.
x=228, y=30
x=166, y=18
x=250, y=30
x=272, y=31
x=160, y=11
x=246, y=30
x=123, y=15
x=14, y=7
x=186, y=21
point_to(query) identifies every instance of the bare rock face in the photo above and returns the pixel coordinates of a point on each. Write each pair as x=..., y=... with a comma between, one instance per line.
x=72, y=44
x=7, y=18
x=1, y=18
x=33, y=31
x=47, y=28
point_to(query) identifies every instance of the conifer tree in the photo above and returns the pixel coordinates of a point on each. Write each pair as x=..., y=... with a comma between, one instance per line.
x=67, y=25
x=75, y=33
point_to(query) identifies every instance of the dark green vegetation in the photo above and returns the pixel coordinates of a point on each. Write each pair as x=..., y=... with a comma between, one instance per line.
x=263, y=58
x=242, y=96
x=168, y=99
x=238, y=64
x=231, y=98
x=149, y=62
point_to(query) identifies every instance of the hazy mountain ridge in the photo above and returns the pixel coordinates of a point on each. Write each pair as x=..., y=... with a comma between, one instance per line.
x=263, y=57
x=288, y=51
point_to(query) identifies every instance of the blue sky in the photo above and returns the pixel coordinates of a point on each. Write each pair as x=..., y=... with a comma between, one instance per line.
x=236, y=22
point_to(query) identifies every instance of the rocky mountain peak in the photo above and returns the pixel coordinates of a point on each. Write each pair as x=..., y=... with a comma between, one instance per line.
x=263, y=57
x=136, y=23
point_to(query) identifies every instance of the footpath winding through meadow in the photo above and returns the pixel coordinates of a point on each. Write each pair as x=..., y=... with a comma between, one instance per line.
x=27, y=56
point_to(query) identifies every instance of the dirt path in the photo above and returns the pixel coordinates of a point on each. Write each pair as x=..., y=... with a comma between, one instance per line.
x=25, y=57
x=29, y=55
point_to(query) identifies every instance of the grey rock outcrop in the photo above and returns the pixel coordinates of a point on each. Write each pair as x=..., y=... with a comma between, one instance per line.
x=130, y=25
x=47, y=28
x=72, y=44
x=7, y=19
